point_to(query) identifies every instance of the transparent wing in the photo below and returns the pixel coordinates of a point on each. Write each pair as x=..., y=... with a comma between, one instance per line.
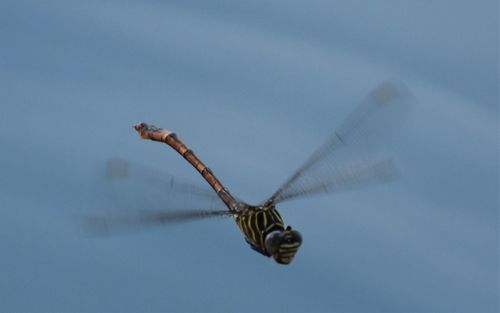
x=350, y=156
x=121, y=169
x=131, y=185
x=102, y=225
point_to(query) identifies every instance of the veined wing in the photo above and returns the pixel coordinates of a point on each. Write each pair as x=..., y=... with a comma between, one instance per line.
x=132, y=185
x=121, y=169
x=102, y=225
x=345, y=160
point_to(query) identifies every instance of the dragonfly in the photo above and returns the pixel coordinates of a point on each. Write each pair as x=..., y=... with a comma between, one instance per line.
x=340, y=163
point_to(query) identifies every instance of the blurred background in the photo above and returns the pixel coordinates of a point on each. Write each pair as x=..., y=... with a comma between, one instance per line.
x=252, y=87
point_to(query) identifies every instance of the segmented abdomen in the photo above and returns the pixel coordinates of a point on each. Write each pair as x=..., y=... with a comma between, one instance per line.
x=162, y=135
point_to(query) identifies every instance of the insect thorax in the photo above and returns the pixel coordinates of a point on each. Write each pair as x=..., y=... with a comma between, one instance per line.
x=255, y=222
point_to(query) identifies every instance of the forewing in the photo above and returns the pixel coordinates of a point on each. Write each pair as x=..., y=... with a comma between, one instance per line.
x=350, y=157
x=142, y=197
x=132, y=185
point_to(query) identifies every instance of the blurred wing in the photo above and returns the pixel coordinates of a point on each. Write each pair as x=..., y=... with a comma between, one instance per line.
x=344, y=160
x=121, y=169
x=133, y=185
x=113, y=224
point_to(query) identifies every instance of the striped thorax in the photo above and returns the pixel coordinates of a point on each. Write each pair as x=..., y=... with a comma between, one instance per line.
x=265, y=232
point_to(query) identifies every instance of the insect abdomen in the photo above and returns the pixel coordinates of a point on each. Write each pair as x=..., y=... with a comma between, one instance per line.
x=162, y=135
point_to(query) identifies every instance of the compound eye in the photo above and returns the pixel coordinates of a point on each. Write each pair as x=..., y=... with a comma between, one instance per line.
x=273, y=241
x=296, y=236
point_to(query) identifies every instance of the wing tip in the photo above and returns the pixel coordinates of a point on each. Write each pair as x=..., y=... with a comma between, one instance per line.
x=390, y=91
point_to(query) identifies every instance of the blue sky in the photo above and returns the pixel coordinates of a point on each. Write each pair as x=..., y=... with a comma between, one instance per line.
x=252, y=87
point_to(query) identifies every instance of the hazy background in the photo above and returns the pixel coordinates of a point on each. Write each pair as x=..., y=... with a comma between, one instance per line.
x=251, y=86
